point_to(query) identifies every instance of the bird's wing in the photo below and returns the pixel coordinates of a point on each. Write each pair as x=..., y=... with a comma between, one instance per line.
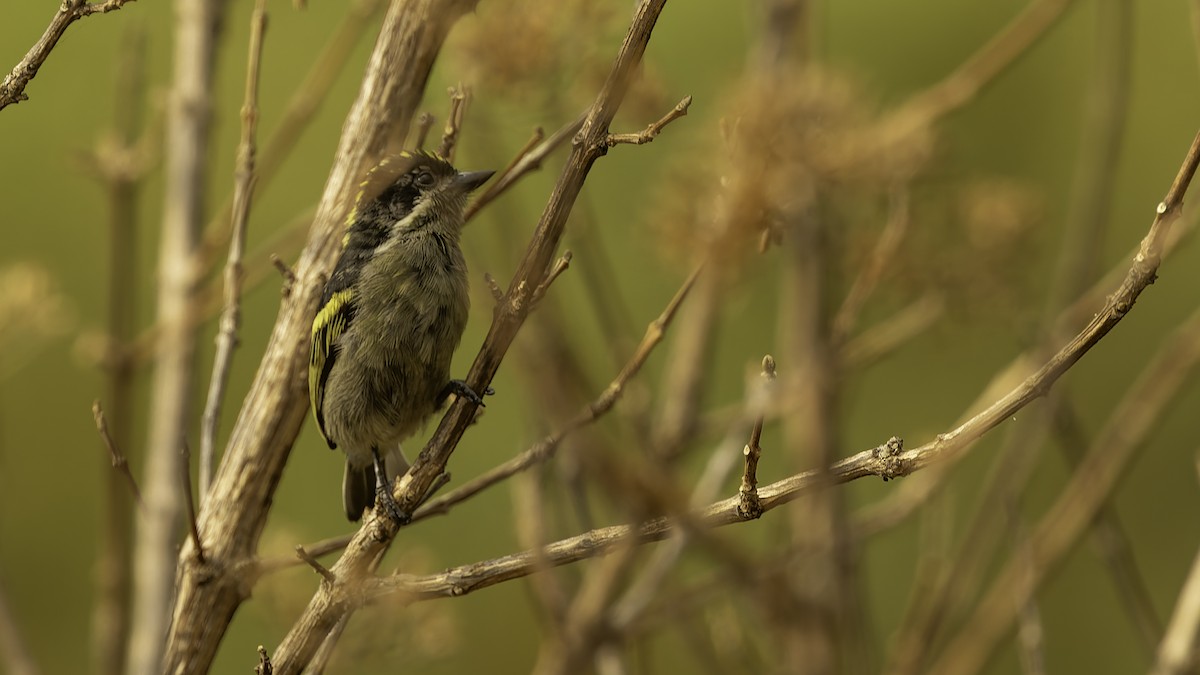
x=331, y=322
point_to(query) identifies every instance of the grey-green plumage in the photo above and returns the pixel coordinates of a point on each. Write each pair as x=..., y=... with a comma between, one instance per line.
x=392, y=315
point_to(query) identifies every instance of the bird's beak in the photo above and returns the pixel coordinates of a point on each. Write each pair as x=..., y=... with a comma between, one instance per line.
x=468, y=181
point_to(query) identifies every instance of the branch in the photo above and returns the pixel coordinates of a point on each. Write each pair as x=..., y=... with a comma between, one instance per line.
x=651, y=132
x=196, y=31
x=119, y=463
x=243, y=192
x=12, y=90
x=460, y=96
x=748, y=492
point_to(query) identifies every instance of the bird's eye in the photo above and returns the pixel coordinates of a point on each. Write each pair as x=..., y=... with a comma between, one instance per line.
x=425, y=180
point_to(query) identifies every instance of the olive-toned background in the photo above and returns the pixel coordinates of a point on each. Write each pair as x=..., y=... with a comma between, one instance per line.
x=1022, y=132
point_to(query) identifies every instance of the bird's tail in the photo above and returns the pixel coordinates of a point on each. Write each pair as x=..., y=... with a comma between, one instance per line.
x=359, y=484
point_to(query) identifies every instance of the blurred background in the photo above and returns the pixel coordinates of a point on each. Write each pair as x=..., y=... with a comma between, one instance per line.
x=988, y=190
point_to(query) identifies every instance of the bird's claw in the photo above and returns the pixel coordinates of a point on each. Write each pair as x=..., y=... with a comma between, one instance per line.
x=463, y=390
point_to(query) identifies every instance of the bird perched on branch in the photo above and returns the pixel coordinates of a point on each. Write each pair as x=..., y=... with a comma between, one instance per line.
x=391, y=316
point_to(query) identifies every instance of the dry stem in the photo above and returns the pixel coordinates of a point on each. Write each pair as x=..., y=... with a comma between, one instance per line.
x=197, y=28
x=243, y=193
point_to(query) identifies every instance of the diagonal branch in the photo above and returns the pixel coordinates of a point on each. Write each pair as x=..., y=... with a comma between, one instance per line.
x=12, y=90
x=243, y=192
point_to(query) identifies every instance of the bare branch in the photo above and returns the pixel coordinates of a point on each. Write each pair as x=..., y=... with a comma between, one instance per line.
x=460, y=97
x=243, y=193
x=748, y=492
x=12, y=90
x=119, y=463
x=556, y=270
x=196, y=32
x=190, y=500
x=651, y=132
x=424, y=124
x=289, y=277
x=315, y=564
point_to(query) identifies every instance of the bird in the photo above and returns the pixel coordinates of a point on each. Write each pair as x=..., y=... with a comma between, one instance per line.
x=391, y=316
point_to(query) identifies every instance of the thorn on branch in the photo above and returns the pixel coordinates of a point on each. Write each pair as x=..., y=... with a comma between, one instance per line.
x=316, y=565
x=190, y=500
x=749, y=506
x=289, y=277
x=556, y=271
x=118, y=460
x=652, y=131
x=424, y=124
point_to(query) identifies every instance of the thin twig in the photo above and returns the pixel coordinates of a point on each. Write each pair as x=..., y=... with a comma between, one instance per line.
x=12, y=90
x=190, y=500
x=748, y=492
x=560, y=266
x=289, y=277
x=651, y=132
x=119, y=463
x=243, y=193
x=122, y=161
x=196, y=33
x=316, y=565
x=424, y=124
x=460, y=97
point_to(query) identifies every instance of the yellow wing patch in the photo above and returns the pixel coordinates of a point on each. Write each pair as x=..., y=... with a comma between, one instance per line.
x=329, y=325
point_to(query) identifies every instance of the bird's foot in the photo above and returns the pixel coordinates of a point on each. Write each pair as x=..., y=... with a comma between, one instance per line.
x=463, y=390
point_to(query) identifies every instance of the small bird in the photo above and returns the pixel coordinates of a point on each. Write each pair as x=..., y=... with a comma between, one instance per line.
x=391, y=316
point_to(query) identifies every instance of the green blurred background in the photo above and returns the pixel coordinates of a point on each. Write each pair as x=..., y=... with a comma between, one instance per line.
x=1023, y=131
